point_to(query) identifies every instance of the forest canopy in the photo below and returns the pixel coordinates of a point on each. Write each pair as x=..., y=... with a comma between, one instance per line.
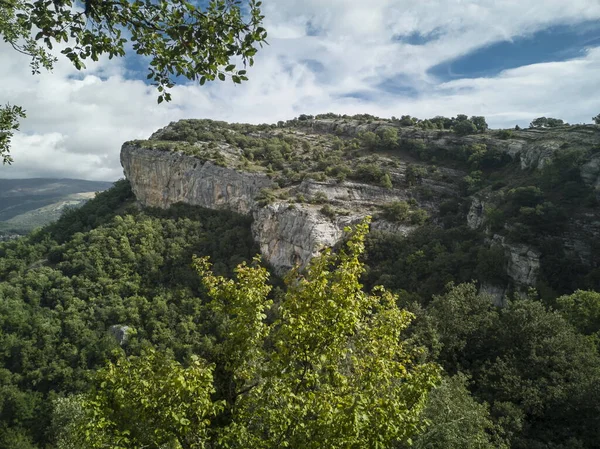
x=106, y=306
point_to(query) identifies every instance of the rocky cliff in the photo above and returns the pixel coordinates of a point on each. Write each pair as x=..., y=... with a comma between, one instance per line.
x=288, y=233
x=305, y=181
x=160, y=179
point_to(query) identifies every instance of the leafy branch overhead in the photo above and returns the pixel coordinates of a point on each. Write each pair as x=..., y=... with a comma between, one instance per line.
x=9, y=122
x=178, y=37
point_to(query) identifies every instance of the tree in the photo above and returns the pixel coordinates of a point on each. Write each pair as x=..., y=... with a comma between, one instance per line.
x=546, y=122
x=596, y=119
x=389, y=138
x=369, y=140
x=480, y=123
x=456, y=419
x=146, y=401
x=180, y=38
x=331, y=368
x=582, y=310
x=9, y=122
x=464, y=127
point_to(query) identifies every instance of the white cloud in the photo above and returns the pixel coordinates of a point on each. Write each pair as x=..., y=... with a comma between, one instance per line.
x=320, y=55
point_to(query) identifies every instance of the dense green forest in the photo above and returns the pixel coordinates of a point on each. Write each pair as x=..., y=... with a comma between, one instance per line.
x=114, y=335
x=524, y=376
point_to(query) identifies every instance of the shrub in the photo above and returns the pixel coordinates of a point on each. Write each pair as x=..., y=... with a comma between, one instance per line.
x=319, y=198
x=464, y=127
x=328, y=211
x=505, y=134
x=419, y=217
x=396, y=211
x=386, y=181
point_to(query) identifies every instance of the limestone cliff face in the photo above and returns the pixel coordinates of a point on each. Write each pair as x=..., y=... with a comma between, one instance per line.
x=288, y=234
x=293, y=234
x=590, y=173
x=523, y=262
x=160, y=179
x=295, y=219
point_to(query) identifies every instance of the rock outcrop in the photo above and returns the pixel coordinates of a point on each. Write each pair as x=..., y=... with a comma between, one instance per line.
x=161, y=178
x=476, y=214
x=523, y=262
x=290, y=234
x=294, y=219
x=287, y=233
x=590, y=173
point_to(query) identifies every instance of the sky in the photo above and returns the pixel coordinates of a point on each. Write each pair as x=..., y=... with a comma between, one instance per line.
x=509, y=60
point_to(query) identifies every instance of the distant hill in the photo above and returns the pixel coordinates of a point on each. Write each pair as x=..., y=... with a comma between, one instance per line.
x=28, y=203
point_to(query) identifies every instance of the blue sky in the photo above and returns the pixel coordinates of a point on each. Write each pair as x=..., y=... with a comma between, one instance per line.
x=554, y=43
x=508, y=60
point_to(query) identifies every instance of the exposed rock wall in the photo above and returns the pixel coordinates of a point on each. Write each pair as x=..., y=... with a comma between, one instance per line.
x=287, y=234
x=523, y=262
x=590, y=173
x=293, y=234
x=160, y=179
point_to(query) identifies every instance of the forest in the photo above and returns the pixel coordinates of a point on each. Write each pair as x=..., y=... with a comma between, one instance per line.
x=111, y=292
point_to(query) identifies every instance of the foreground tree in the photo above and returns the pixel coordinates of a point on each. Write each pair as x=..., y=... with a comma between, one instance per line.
x=9, y=123
x=180, y=38
x=331, y=370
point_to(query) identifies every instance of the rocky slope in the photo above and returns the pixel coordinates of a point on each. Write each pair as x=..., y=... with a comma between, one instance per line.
x=302, y=189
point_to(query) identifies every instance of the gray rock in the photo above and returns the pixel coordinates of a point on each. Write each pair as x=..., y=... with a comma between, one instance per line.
x=121, y=333
x=287, y=234
x=290, y=235
x=475, y=216
x=533, y=147
x=523, y=262
x=590, y=173
x=496, y=293
x=160, y=179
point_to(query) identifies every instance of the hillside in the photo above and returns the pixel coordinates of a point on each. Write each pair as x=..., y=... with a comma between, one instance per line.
x=29, y=203
x=459, y=222
x=529, y=197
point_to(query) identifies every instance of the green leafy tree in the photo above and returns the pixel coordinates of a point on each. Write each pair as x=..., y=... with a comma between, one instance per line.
x=9, y=123
x=582, y=309
x=369, y=140
x=332, y=369
x=180, y=38
x=456, y=419
x=386, y=181
x=596, y=119
x=546, y=122
x=464, y=127
x=480, y=123
x=389, y=138
x=148, y=401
